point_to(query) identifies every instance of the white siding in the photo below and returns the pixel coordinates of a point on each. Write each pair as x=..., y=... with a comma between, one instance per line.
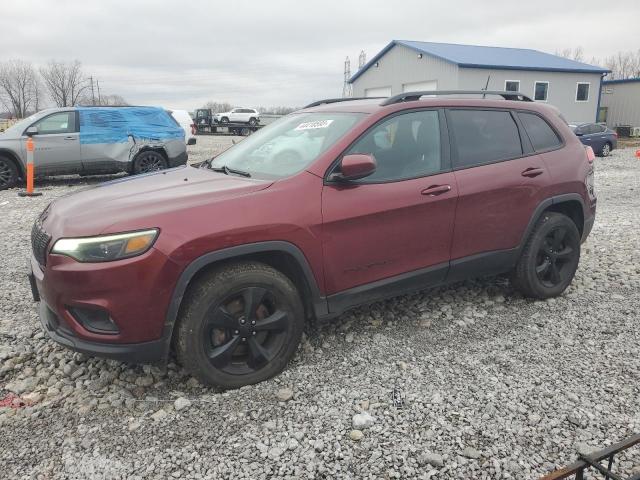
x=401, y=65
x=561, y=93
x=623, y=103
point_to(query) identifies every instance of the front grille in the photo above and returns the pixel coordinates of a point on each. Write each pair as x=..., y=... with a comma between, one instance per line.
x=39, y=242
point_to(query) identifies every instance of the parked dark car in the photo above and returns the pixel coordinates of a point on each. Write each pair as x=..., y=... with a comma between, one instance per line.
x=225, y=262
x=600, y=138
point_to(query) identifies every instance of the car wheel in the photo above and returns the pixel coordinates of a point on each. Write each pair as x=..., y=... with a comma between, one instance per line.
x=8, y=173
x=245, y=131
x=550, y=257
x=606, y=150
x=149, y=161
x=239, y=325
x=224, y=120
x=253, y=122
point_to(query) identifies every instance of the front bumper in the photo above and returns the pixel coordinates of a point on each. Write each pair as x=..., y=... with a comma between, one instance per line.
x=147, y=352
x=134, y=292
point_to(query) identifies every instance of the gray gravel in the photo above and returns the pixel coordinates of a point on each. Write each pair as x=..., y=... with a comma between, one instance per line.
x=471, y=381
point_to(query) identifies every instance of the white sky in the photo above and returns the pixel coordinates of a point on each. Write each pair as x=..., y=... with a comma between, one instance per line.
x=179, y=54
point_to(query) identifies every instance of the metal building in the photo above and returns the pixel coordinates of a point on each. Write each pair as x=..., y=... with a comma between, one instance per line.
x=405, y=65
x=620, y=102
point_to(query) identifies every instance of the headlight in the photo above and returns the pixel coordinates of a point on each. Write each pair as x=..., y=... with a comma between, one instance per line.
x=106, y=248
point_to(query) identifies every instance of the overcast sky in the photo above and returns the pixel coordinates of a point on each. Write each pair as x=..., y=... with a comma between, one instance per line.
x=179, y=54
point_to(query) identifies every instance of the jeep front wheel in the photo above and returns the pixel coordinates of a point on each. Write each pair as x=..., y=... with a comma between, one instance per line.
x=239, y=325
x=550, y=257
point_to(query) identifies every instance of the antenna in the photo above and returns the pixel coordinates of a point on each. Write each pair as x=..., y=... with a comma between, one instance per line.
x=362, y=59
x=346, y=86
x=486, y=85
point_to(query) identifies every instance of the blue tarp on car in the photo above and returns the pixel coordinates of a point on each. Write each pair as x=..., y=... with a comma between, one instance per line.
x=117, y=124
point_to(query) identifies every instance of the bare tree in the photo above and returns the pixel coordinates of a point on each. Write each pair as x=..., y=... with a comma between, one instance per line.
x=18, y=87
x=103, y=100
x=64, y=81
x=218, y=107
x=576, y=54
x=623, y=65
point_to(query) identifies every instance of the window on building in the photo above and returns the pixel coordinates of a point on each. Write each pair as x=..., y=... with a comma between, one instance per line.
x=541, y=91
x=404, y=146
x=484, y=136
x=540, y=132
x=512, y=85
x=582, y=92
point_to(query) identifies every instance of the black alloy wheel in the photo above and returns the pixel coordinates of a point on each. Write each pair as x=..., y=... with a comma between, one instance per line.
x=555, y=255
x=8, y=173
x=149, y=161
x=239, y=324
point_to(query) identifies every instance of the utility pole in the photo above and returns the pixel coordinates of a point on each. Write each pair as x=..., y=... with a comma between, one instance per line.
x=99, y=98
x=93, y=97
x=346, y=86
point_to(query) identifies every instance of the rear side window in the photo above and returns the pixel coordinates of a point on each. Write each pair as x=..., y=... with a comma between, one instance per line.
x=540, y=133
x=484, y=136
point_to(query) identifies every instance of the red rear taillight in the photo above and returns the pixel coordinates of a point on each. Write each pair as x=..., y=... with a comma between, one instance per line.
x=615, y=134
x=193, y=129
x=590, y=155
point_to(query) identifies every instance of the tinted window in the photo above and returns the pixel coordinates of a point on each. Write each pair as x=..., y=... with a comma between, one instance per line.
x=404, y=146
x=484, y=136
x=582, y=93
x=540, y=133
x=63, y=122
x=540, y=91
x=512, y=86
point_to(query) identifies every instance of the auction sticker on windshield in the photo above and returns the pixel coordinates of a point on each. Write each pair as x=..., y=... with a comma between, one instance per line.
x=314, y=125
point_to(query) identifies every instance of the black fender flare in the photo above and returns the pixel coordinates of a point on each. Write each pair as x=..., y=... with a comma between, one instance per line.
x=542, y=206
x=318, y=301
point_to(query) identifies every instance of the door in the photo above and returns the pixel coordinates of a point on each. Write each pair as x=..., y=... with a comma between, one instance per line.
x=378, y=92
x=397, y=221
x=500, y=179
x=57, y=144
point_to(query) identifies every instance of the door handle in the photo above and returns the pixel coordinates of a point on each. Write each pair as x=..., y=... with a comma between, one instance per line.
x=70, y=138
x=532, y=172
x=434, y=190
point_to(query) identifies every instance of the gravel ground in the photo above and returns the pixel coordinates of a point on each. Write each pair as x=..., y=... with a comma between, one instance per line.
x=471, y=381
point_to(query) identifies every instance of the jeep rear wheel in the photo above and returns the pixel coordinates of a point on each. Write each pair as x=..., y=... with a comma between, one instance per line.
x=8, y=173
x=239, y=325
x=550, y=257
x=149, y=161
x=253, y=121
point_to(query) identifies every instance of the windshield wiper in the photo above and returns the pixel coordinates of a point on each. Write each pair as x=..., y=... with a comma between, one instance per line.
x=226, y=170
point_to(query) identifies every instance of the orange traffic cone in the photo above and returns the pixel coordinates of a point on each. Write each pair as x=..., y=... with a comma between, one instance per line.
x=30, y=171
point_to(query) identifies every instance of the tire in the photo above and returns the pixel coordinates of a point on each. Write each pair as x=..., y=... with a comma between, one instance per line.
x=149, y=161
x=224, y=342
x=8, y=173
x=550, y=257
x=224, y=120
x=253, y=122
x=245, y=131
x=606, y=150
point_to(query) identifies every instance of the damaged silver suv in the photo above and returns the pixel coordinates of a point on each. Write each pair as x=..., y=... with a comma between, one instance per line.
x=92, y=140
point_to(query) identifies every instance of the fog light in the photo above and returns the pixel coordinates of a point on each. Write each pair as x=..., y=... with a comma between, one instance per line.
x=95, y=320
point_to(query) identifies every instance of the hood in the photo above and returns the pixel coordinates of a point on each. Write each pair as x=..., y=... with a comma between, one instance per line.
x=142, y=201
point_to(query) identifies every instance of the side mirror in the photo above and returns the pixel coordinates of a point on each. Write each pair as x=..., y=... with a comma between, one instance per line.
x=31, y=131
x=355, y=167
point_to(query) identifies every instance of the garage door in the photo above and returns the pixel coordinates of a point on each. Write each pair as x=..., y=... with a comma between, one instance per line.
x=420, y=86
x=378, y=92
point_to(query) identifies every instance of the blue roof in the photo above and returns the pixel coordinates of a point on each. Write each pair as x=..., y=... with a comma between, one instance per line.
x=474, y=56
x=625, y=80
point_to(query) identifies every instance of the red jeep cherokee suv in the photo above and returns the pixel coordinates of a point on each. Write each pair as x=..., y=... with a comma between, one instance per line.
x=339, y=204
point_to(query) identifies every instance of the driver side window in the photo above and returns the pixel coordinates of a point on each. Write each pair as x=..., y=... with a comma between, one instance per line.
x=404, y=146
x=62, y=122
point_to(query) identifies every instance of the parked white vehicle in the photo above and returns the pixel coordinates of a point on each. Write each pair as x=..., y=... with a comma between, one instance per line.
x=239, y=115
x=186, y=122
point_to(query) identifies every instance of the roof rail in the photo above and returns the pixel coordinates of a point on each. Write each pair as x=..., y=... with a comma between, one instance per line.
x=411, y=96
x=337, y=100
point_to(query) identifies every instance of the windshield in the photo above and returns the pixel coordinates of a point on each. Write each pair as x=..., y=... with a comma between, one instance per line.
x=22, y=124
x=288, y=145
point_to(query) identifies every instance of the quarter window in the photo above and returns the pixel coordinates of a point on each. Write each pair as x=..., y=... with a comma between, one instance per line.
x=62, y=122
x=404, y=146
x=541, y=91
x=484, y=136
x=582, y=92
x=512, y=85
x=540, y=133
